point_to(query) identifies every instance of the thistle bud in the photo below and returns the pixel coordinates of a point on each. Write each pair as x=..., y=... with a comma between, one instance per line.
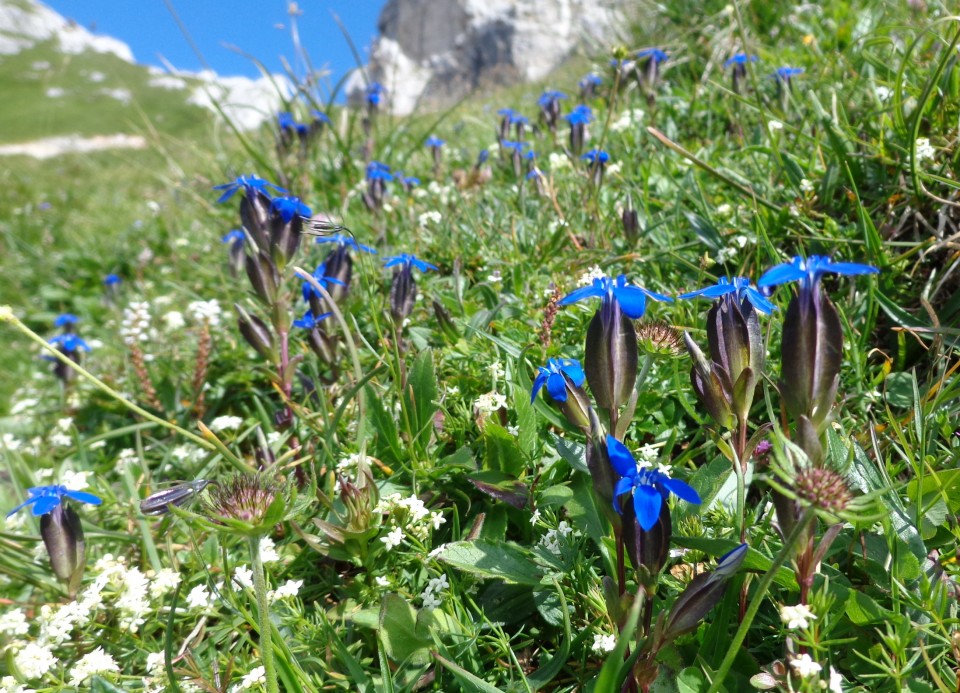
x=63, y=537
x=255, y=331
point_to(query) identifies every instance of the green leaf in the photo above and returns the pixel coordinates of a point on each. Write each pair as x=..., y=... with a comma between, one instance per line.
x=468, y=681
x=548, y=671
x=99, y=685
x=501, y=453
x=863, y=611
x=574, y=453
x=388, y=446
x=398, y=631
x=420, y=396
x=501, y=561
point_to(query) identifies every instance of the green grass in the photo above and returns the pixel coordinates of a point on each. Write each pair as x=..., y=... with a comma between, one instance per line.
x=732, y=185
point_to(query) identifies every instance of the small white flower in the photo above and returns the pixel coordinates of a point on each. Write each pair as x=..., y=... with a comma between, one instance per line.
x=535, y=517
x=14, y=622
x=775, y=125
x=164, y=581
x=256, y=677
x=382, y=581
x=724, y=211
x=225, y=423
x=883, y=93
x=835, y=681
x=34, y=661
x=806, y=187
x=155, y=663
x=795, y=617
x=804, y=666
x=431, y=217
x=393, y=539
x=603, y=643
x=268, y=551
x=243, y=577
x=199, y=597
x=925, y=150
x=557, y=161
x=496, y=370
x=96, y=662
x=75, y=481
x=437, y=551
x=586, y=279
x=289, y=589
x=205, y=311
x=174, y=321
x=490, y=402
x=436, y=519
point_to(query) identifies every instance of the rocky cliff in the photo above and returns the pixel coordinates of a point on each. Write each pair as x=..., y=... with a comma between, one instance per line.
x=436, y=51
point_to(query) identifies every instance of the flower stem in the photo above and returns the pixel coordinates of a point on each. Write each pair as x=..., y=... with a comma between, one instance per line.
x=263, y=615
x=789, y=547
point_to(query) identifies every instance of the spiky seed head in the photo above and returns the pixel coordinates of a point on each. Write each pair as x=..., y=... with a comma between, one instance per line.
x=244, y=497
x=658, y=338
x=823, y=488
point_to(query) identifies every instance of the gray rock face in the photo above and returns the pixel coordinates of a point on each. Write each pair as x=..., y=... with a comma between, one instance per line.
x=436, y=51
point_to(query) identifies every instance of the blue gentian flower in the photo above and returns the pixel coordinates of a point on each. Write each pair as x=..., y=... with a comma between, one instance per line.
x=377, y=170
x=534, y=174
x=250, y=185
x=45, y=498
x=323, y=279
x=632, y=299
x=740, y=285
x=408, y=260
x=786, y=73
x=410, y=181
x=552, y=374
x=591, y=79
x=507, y=113
x=308, y=322
x=650, y=487
x=434, y=141
x=286, y=120
x=320, y=116
x=654, y=54
x=289, y=207
x=740, y=59
x=514, y=146
x=112, y=279
x=69, y=342
x=596, y=156
x=348, y=241
x=549, y=97
x=374, y=94
x=66, y=320
x=482, y=157
x=235, y=236
x=808, y=271
x=580, y=115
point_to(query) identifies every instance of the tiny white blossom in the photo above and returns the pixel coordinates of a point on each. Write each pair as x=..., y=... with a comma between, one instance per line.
x=804, y=666
x=775, y=125
x=289, y=589
x=806, y=186
x=535, y=517
x=9, y=684
x=431, y=217
x=393, y=539
x=225, y=423
x=268, y=551
x=795, y=617
x=836, y=681
x=96, y=662
x=174, y=321
x=243, y=577
x=75, y=481
x=586, y=279
x=155, y=663
x=205, y=311
x=925, y=150
x=436, y=519
x=199, y=597
x=603, y=643
x=490, y=403
x=164, y=581
x=382, y=581
x=437, y=551
x=496, y=370
x=883, y=93
x=256, y=677
x=14, y=622
x=34, y=660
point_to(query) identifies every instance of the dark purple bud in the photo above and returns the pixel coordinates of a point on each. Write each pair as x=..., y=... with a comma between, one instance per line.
x=736, y=345
x=403, y=293
x=255, y=217
x=263, y=276
x=610, y=358
x=284, y=237
x=631, y=224
x=711, y=385
x=648, y=550
x=63, y=538
x=256, y=332
x=338, y=265
x=322, y=345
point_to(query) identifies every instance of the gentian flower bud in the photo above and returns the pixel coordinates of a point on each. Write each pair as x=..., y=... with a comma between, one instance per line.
x=648, y=65
x=563, y=379
x=703, y=593
x=631, y=222
x=588, y=86
x=578, y=119
x=256, y=332
x=286, y=228
x=339, y=264
x=598, y=160
x=549, y=103
x=236, y=240
x=263, y=276
x=739, y=64
x=713, y=393
x=63, y=537
x=812, y=337
x=611, y=346
x=403, y=288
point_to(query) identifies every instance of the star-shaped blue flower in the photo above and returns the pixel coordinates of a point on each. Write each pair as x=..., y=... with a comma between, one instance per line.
x=408, y=260
x=581, y=115
x=69, y=342
x=787, y=73
x=550, y=97
x=591, y=79
x=740, y=286
x=250, y=185
x=347, y=241
x=514, y=146
x=45, y=498
x=740, y=59
x=66, y=319
x=654, y=54
x=320, y=276
x=308, y=322
x=808, y=271
x=375, y=93
x=632, y=299
x=112, y=279
x=290, y=207
x=552, y=374
x=434, y=141
x=596, y=156
x=650, y=487
x=377, y=170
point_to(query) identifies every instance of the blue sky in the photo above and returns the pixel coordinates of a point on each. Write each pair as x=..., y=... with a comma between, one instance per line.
x=258, y=27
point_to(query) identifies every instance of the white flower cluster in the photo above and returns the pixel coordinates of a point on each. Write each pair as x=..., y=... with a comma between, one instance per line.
x=433, y=217
x=226, y=423
x=586, y=279
x=629, y=119
x=558, y=161
x=490, y=403
x=135, y=326
x=96, y=662
x=409, y=517
x=205, y=311
x=256, y=678
x=603, y=643
x=552, y=541
x=441, y=192
x=925, y=150
x=60, y=436
x=433, y=595
x=174, y=321
x=9, y=684
x=795, y=617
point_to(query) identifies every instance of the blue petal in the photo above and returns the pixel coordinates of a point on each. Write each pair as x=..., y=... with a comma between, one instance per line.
x=715, y=291
x=623, y=486
x=539, y=383
x=759, y=301
x=848, y=268
x=32, y=499
x=574, y=371
x=620, y=458
x=779, y=274
x=655, y=296
x=557, y=387
x=647, y=503
x=83, y=497
x=632, y=300
x=579, y=294
x=682, y=490
x=45, y=504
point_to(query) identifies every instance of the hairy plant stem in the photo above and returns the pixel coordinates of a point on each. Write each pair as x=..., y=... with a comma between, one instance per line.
x=263, y=615
x=789, y=548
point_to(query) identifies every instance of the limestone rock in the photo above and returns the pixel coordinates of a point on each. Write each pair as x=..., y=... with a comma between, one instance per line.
x=437, y=51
